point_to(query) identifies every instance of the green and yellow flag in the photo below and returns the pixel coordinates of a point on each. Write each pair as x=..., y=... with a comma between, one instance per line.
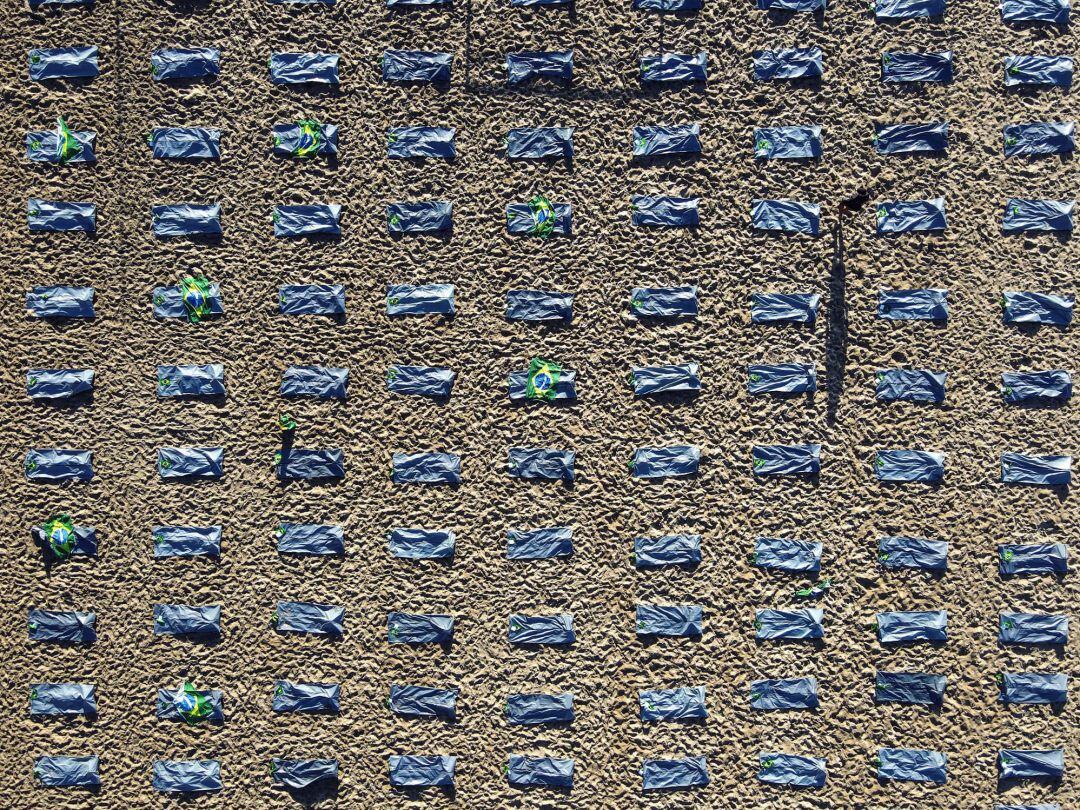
x=60, y=536
x=543, y=377
x=543, y=216
x=191, y=704
x=67, y=145
x=195, y=291
x=311, y=138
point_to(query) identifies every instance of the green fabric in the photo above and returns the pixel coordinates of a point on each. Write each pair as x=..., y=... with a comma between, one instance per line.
x=196, y=295
x=311, y=138
x=192, y=705
x=543, y=216
x=67, y=146
x=543, y=377
x=60, y=535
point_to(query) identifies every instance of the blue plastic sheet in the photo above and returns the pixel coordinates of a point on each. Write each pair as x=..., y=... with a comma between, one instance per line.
x=1033, y=307
x=911, y=765
x=672, y=549
x=432, y=216
x=169, y=301
x=423, y=701
x=539, y=709
x=187, y=776
x=311, y=299
x=419, y=628
x=1027, y=807
x=1015, y=763
x=421, y=142
x=1033, y=558
x=1048, y=11
x=918, y=625
x=167, y=708
x=523, y=771
x=1035, y=71
x=784, y=694
x=676, y=139
x=185, y=620
x=66, y=626
x=53, y=771
x=787, y=63
x=791, y=5
x=421, y=544
x=557, y=629
x=422, y=771
x=910, y=687
x=1033, y=628
x=665, y=462
x=323, y=382
x=191, y=381
x=781, y=378
x=786, y=459
x=288, y=138
x=791, y=770
x=185, y=143
x=61, y=302
x=784, y=307
x=527, y=66
x=43, y=146
x=1034, y=688
x=916, y=67
x=791, y=556
x=310, y=538
x=306, y=697
x=804, y=623
x=683, y=703
x=416, y=66
x=674, y=68
x=191, y=462
x=57, y=699
x=787, y=143
x=786, y=216
x=297, y=464
x=1050, y=471
x=58, y=384
x=540, y=142
x=913, y=305
x=539, y=306
x=1036, y=386
x=307, y=220
x=426, y=468
x=303, y=774
x=672, y=774
x=910, y=385
x=59, y=465
x=424, y=299
x=63, y=63
x=56, y=4
x=1033, y=216
x=913, y=552
x=1038, y=139
x=310, y=618
x=540, y=544
x=908, y=9
x=669, y=620
x=909, y=139
x=303, y=68
x=85, y=541
x=187, y=541
x=54, y=216
x=664, y=302
x=526, y=3
x=421, y=381
x=186, y=220
x=541, y=464
x=652, y=380
x=664, y=212
x=185, y=63
x=681, y=6
x=520, y=219
x=911, y=216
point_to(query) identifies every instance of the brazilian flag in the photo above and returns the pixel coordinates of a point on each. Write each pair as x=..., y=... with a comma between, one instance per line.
x=543, y=377
x=67, y=145
x=311, y=138
x=60, y=536
x=191, y=704
x=543, y=216
x=195, y=292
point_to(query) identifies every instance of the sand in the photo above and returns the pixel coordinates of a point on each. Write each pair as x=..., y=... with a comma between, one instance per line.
x=845, y=509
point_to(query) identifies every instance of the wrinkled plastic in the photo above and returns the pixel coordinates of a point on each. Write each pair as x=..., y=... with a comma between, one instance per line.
x=421, y=142
x=307, y=220
x=421, y=544
x=791, y=5
x=787, y=63
x=539, y=709
x=302, y=68
x=520, y=219
x=185, y=620
x=63, y=63
x=913, y=552
x=416, y=66
x=674, y=68
x=43, y=146
x=60, y=302
x=58, y=384
x=669, y=620
x=1033, y=558
x=1036, y=386
x=303, y=774
x=315, y=381
x=191, y=462
x=419, y=628
x=675, y=139
x=672, y=549
x=683, y=6
x=85, y=541
x=805, y=623
x=187, y=776
x=540, y=142
x=1049, y=471
x=523, y=771
x=664, y=462
x=1038, y=139
x=1034, y=688
x=1047, y=11
x=187, y=541
x=909, y=139
x=784, y=694
x=913, y=305
x=310, y=539
x=664, y=212
x=422, y=771
x=916, y=67
x=59, y=465
x=421, y=381
x=541, y=464
x=1034, y=216
x=527, y=66
x=191, y=381
x=186, y=220
x=311, y=299
x=526, y=3
x=288, y=138
x=911, y=216
x=909, y=465
x=652, y=380
x=54, y=771
x=540, y=544
x=539, y=306
x=1027, y=807
x=306, y=697
x=901, y=627
x=791, y=770
x=426, y=468
x=911, y=765
x=310, y=618
x=556, y=629
x=791, y=556
x=423, y=701
x=908, y=9
x=786, y=459
x=910, y=687
x=54, y=216
x=664, y=302
x=1014, y=763
x=671, y=774
x=185, y=63
x=786, y=216
x=298, y=464
x=65, y=626
x=57, y=699
x=169, y=301
x=784, y=307
x=1038, y=70
x=185, y=143
x=1033, y=307
x=432, y=216
x=910, y=385
x=683, y=703
x=781, y=378
x=787, y=143
x=1033, y=628
x=168, y=710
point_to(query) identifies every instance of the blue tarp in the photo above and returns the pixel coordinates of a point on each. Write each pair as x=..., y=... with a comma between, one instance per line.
x=676, y=139
x=540, y=544
x=187, y=541
x=913, y=305
x=186, y=220
x=782, y=554
x=307, y=220
x=58, y=384
x=1027, y=216
x=426, y=468
x=910, y=687
x=298, y=464
x=651, y=380
x=910, y=385
x=421, y=544
x=784, y=693
x=786, y=216
x=422, y=771
x=787, y=63
x=524, y=3
x=1020, y=764
x=788, y=624
x=911, y=216
x=306, y=697
x=74, y=626
x=185, y=143
x=185, y=620
x=59, y=465
x=672, y=549
x=539, y=306
x=60, y=302
x=791, y=770
x=784, y=307
x=187, y=776
x=539, y=709
x=169, y=301
x=911, y=765
x=310, y=538
x=781, y=378
x=1048, y=11
x=907, y=139
x=916, y=67
x=301, y=68
x=169, y=701
x=431, y=216
x=424, y=299
x=1027, y=807
x=918, y=625
x=527, y=66
x=664, y=462
x=787, y=143
x=421, y=142
x=541, y=464
x=674, y=68
x=669, y=774
x=43, y=146
x=185, y=63
x=290, y=138
x=540, y=142
x=191, y=381
x=791, y=5
x=422, y=381
x=668, y=620
x=908, y=9
x=53, y=216
x=1021, y=468
x=419, y=628
x=1036, y=386
x=1033, y=558
x=664, y=212
x=323, y=382
x=67, y=771
x=521, y=220
x=913, y=552
x=664, y=302
x=1033, y=307
x=1033, y=628
x=307, y=617
x=669, y=5
x=55, y=699
x=423, y=701
x=416, y=66
x=523, y=771
x=190, y=462
x=683, y=703
x=1032, y=70
x=556, y=629
x=786, y=459
x=1035, y=140
x=80, y=62
x=311, y=299
x=303, y=774
x=85, y=541
x=1034, y=688
x=57, y=4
